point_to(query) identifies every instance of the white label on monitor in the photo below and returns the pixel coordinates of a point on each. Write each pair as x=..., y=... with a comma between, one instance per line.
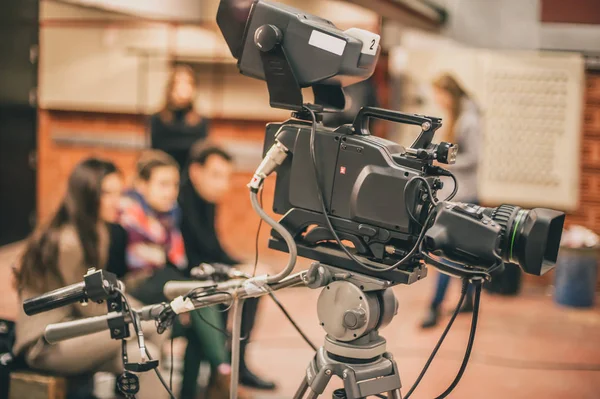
x=327, y=42
x=369, y=40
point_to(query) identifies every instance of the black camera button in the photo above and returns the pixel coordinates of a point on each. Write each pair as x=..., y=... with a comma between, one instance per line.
x=367, y=230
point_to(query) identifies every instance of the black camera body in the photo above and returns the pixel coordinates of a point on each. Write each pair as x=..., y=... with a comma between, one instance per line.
x=364, y=178
x=358, y=202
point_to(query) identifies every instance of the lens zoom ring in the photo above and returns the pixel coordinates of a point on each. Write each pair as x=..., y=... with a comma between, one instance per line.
x=502, y=215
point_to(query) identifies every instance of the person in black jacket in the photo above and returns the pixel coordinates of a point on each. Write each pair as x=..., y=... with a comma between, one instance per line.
x=209, y=179
x=177, y=126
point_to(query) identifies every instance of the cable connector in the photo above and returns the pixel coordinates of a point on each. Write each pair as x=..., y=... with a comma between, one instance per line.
x=438, y=171
x=274, y=158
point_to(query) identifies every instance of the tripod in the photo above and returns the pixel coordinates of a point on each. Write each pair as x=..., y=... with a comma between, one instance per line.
x=351, y=309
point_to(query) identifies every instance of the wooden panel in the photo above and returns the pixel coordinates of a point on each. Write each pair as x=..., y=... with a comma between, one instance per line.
x=36, y=386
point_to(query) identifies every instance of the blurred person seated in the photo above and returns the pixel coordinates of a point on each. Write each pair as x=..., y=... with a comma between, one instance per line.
x=210, y=169
x=464, y=127
x=59, y=254
x=153, y=254
x=178, y=125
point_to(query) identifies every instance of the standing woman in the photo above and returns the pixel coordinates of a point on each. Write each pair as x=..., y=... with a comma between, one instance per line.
x=178, y=125
x=59, y=254
x=465, y=129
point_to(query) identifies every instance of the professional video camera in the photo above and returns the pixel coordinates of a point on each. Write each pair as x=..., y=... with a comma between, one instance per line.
x=364, y=208
x=336, y=185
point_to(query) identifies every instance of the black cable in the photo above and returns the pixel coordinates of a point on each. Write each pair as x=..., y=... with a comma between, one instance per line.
x=463, y=294
x=431, y=197
x=260, y=201
x=439, y=171
x=478, y=284
x=287, y=315
x=171, y=372
x=160, y=377
x=330, y=226
x=453, y=194
x=408, y=208
x=137, y=326
x=219, y=329
x=197, y=296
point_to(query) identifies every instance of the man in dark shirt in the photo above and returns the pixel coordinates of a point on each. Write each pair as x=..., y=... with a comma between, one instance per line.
x=208, y=180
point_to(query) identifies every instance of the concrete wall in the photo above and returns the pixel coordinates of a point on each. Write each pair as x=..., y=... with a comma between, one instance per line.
x=506, y=25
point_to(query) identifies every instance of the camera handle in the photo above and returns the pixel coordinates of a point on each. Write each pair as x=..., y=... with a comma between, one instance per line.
x=429, y=124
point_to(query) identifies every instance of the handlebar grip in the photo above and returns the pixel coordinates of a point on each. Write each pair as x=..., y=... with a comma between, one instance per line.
x=55, y=299
x=55, y=333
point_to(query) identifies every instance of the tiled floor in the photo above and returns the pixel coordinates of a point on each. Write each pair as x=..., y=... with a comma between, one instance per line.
x=516, y=338
x=513, y=334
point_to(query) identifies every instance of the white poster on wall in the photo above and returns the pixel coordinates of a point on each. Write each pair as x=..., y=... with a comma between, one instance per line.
x=532, y=108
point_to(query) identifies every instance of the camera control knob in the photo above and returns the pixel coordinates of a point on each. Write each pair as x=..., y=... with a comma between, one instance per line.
x=267, y=37
x=355, y=318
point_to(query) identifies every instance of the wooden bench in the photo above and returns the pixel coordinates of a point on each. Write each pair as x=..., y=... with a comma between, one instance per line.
x=31, y=385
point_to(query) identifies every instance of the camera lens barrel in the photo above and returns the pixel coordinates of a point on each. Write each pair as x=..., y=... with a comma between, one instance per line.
x=529, y=238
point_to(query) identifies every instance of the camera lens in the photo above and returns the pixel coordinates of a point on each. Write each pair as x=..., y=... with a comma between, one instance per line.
x=529, y=238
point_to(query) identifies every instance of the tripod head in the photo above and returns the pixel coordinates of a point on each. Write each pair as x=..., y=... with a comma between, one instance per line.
x=352, y=308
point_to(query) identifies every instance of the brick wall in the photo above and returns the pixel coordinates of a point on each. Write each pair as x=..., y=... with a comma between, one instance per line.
x=588, y=213
x=56, y=161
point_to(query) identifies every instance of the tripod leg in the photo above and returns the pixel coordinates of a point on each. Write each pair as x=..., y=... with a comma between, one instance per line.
x=312, y=395
x=302, y=389
x=395, y=394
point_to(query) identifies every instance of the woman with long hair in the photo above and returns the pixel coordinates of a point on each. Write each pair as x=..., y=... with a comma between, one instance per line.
x=178, y=125
x=59, y=254
x=463, y=122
